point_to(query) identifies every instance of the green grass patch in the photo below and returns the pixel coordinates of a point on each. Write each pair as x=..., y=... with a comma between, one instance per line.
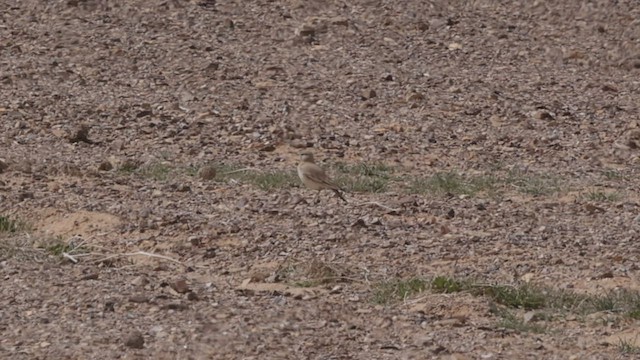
x=521, y=297
x=363, y=178
x=392, y=291
x=613, y=175
x=509, y=320
x=508, y=301
x=443, y=284
x=628, y=347
x=273, y=180
x=8, y=225
x=128, y=166
x=451, y=183
x=264, y=180
x=533, y=184
x=309, y=273
x=56, y=246
x=601, y=196
x=156, y=171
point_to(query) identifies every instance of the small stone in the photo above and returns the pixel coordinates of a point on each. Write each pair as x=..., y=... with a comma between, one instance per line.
x=299, y=144
x=268, y=148
x=415, y=97
x=90, y=276
x=542, y=115
x=368, y=94
x=140, y=281
x=306, y=30
x=207, y=172
x=183, y=188
x=264, y=85
x=195, y=240
x=180, y=285
x=138, y=299
x=529, y=316
x=105, y=166
x=23, y=166
x=81, y=135
x=228, y=23
x=135, y=340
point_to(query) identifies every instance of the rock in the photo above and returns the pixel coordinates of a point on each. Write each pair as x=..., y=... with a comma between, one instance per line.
x=542, y=115
x=70, y=169
x=183, y=188
x=228, y=23
x=207, y=172
x=414, y=96
x=180, y=285
x=299, y=144
x=140, y=281
x=23, y=166
x=306, y=30
x=134, y=340
x=268, y=148
x=138, y=299
x=105, y=166
x=368, y=94
x=81, y=135
x=264, y=85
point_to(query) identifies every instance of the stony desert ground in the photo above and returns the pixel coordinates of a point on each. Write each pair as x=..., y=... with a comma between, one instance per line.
x=150, y=209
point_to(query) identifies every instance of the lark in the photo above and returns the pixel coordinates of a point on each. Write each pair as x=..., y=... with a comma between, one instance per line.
x=315, y=178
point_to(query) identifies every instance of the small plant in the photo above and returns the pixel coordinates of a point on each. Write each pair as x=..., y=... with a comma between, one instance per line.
x=533, y=184
x=452, y=184
x=58, y=249
x=363, y=184
x=364, y=178
x=272, y=180
x=442, y=284
x=634, y=313
x=628, y=347
x=129, y=166
x=612, y=175
x=308, y=274
x=509, y=320
x=156, y=171
x=191, y=170
x=525, y=297
x=601, y=196
x=263, y=180
x=57, y=246
x=8, y=225
x=398, y=290
x=362, y=169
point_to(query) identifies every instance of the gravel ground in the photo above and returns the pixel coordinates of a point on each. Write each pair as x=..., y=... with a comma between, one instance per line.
x=149, y=206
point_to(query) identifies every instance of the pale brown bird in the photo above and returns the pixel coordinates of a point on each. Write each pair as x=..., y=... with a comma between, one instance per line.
x=314, y=177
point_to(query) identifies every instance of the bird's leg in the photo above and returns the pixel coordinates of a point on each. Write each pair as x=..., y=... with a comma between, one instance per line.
x=340, y=195
x=316, y=199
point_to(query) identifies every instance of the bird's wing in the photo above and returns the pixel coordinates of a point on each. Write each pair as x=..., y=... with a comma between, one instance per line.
x=316, y=174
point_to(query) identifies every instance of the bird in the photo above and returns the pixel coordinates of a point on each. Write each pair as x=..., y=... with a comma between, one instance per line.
x=315, y=178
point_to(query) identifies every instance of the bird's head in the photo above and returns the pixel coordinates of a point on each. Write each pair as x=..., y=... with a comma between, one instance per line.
x=306, y=157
